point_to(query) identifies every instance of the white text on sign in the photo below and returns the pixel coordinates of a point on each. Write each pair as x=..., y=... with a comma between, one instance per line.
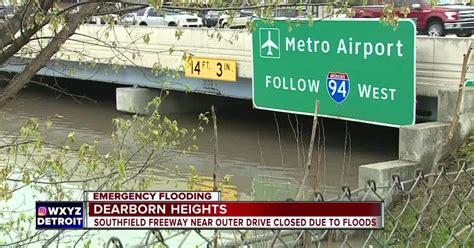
x=346, y=47
x=312, y=85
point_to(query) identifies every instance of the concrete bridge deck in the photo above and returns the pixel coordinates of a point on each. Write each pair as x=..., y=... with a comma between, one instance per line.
x=122, y=56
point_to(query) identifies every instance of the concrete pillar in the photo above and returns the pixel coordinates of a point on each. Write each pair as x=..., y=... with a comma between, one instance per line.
x=447, y=103
x=447, y=108
x=134, y=100
x=418, y=143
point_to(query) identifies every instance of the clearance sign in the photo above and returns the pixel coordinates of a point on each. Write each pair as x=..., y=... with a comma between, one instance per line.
x=213, y=69
x=360, y=70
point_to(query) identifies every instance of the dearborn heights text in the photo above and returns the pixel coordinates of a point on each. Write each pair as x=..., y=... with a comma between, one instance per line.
x=153, y=209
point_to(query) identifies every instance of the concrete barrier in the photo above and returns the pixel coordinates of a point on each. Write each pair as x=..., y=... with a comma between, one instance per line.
x=439, y=63
x=381, y=174
x=135, y=100
x=419, y=143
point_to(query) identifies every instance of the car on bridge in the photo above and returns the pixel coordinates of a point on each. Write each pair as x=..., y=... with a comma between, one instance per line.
x=151, y=17
x=447, y=17
x=105, y=14
x=241, y=18
x=211, y=18
x=238, y=20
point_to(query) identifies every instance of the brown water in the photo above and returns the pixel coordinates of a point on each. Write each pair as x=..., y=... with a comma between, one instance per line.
x=249, y=142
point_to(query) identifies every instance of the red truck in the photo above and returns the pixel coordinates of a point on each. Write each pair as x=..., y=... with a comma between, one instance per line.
x=444, y=18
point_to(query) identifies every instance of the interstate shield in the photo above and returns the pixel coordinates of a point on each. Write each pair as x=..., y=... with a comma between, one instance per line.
x=338, y=86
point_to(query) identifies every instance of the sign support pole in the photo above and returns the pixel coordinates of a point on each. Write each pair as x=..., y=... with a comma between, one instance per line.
x=299, y=196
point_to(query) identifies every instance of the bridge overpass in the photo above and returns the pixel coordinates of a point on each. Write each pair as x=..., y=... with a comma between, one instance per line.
x=122, y=56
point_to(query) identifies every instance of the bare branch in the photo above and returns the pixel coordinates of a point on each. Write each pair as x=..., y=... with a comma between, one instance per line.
x=299, y=196
x=42, y=59
x=216, y=148
x=51, y=240
x=73, y=96
x=216, y=164
x=447, y=145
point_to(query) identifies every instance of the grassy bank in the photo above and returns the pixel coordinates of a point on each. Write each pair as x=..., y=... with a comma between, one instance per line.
x=436, y=212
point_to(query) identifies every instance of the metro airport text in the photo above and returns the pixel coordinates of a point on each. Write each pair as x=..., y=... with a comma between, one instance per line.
x=364, y=49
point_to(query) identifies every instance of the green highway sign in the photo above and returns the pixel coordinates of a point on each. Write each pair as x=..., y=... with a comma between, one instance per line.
x=469, y=83
x=358, y=69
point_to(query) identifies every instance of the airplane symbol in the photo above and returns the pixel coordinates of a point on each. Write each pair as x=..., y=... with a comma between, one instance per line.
x=270, y=44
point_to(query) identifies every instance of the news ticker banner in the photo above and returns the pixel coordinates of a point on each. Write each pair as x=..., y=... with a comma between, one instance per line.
x=202, y=210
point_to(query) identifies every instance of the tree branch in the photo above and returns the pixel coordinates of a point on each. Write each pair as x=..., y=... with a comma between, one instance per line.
x=51, y=240
x=447, y=145
x=19, y=43
x=20, y=81
x=10, y=28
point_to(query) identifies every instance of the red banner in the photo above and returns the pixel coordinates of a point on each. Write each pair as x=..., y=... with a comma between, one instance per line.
x=226, y=209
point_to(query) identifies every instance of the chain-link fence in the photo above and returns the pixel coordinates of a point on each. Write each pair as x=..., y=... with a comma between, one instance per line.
x=432, y=210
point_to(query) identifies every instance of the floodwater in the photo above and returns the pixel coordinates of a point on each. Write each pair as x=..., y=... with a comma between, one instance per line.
x=263, y=152
x=252, y=143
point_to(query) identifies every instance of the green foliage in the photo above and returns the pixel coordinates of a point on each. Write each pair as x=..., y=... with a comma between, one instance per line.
x=433, y=3
x=178, y=33
x=71, y=136
x=55, y=23
x=156, y=3
x=139, y=144
x=436, y=213
x=87, y=243
x=405, y=10
x=346, y=10
x=146, y=38
x=467, y=149
x=390, y=16
x=159, y=70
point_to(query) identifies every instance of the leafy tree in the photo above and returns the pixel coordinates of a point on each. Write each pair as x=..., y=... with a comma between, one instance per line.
x=144, y=148
x=38, y=30
x=29, y=23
